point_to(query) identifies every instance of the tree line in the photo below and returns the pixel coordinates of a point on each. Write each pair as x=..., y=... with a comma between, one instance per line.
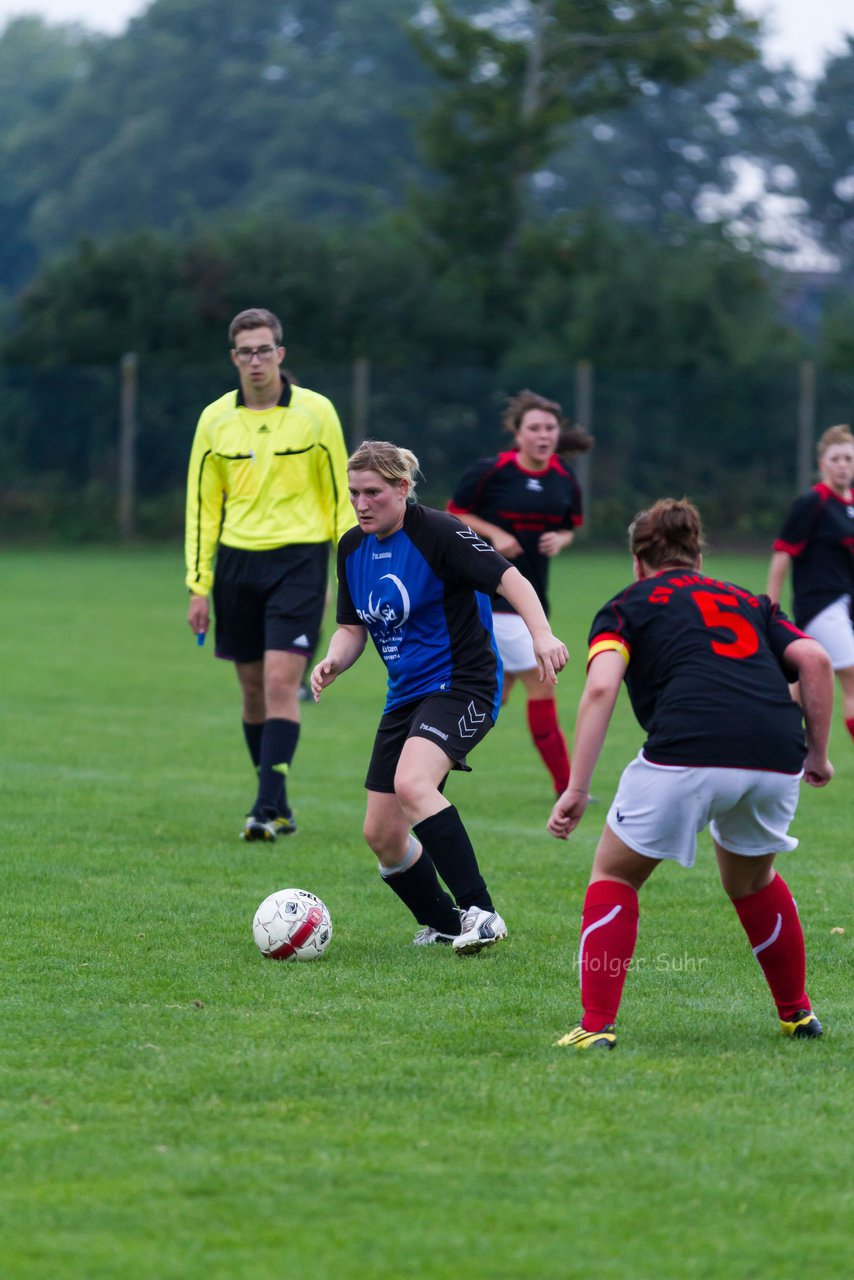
x=472, y=197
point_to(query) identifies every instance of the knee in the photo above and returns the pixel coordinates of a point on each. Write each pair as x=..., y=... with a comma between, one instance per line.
x=382, y=842
x=281, y=686
x=254, y=704
x=412, y=792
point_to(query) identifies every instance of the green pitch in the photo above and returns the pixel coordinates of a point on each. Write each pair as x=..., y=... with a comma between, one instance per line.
x=173, y=1107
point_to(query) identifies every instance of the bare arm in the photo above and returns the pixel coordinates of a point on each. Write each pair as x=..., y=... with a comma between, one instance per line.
x=777, y=572
x=551, y=653
x=591, y=725
x=505, y=544
x=346, y=645
x=815, y=680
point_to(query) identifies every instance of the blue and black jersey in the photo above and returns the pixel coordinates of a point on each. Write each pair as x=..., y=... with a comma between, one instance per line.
x=706, y=672
x=423, y=594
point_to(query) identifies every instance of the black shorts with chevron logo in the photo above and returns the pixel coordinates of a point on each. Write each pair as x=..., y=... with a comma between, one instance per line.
x=455, y=721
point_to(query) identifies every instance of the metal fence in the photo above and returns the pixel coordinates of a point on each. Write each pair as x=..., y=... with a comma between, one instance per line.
x=101, y=452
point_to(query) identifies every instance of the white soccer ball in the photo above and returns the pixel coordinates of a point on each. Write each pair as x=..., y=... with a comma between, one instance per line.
x=292, y=924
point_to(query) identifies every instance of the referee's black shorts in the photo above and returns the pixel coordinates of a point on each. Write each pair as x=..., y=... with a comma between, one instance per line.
x=269, y=600
x=455, y=721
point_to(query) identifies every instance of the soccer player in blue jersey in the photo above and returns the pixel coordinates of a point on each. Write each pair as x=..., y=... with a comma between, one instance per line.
x=706, y=666
x=266, y=494
x=526, y=501
x=817, y=541
x=419, y=583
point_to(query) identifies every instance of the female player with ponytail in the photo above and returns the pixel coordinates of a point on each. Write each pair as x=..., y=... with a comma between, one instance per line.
x=526, y=501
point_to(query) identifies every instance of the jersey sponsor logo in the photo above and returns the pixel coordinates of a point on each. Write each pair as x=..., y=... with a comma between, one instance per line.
x=381, y=555
x=431, y=728
x=390, y=610
x=477, y=542
x=533, y=483
x=469, y=723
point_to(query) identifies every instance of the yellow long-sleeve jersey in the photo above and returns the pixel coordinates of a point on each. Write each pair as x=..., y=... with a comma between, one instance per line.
x=264, y=478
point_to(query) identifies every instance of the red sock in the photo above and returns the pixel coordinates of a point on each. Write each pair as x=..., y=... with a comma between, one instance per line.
x=609, y=930
x=849, y=725
x=549, y=740
x=770, y=920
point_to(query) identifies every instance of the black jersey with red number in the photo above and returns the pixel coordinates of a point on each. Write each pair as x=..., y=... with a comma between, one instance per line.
x=706, y=672
x=818, y=533
x=524, y=503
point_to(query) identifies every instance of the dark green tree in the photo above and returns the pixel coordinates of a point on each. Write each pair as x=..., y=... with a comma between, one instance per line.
x=291, y=106
x=516, y=77
x=677, y=151
x=39, y=66
x=822, y=154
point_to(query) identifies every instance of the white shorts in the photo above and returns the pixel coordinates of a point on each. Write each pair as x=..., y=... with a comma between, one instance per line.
x=514, y=643
x=659, y=809
x=833, y=630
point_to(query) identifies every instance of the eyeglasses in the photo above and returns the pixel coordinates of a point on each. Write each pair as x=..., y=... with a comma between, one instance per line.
x=245, y=354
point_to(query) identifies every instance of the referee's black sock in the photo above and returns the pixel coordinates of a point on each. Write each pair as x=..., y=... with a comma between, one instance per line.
x=278, y=744
x=444, y=837
x=418, y=888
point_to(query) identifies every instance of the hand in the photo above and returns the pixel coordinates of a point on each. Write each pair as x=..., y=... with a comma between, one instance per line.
x=817, y=770
x=199, y=615
x=323, y=674
x=552, y=656
x=550, y=544
x=567, y=813
x=506, y=545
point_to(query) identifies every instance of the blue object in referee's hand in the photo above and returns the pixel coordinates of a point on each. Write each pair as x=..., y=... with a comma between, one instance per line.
x=200, y=638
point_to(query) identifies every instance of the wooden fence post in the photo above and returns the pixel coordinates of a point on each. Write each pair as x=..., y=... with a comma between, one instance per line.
x=584, y=417
x=127, y=446
x=361, y=398
x=806, y=425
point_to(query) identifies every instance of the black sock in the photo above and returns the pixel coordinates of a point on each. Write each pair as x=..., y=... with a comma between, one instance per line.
x=419, y=889
x=446, y=840
x=252, y=733
x=278, y=744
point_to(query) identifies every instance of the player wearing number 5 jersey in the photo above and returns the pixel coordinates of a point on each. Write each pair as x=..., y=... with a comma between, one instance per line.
x=706, y=665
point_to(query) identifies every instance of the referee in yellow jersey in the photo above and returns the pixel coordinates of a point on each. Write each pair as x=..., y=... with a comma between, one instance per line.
x=266, y=494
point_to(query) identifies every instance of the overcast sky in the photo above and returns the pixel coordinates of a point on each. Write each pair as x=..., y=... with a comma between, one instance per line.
x=800, y=31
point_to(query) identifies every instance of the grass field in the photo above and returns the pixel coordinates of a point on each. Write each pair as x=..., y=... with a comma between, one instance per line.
x=176, y=1108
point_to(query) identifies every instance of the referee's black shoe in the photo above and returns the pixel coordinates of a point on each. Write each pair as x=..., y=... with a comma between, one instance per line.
x=268, y=828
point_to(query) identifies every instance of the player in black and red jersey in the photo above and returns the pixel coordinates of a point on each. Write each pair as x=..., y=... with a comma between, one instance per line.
x=706, y=666
x=527, y=502
x=817, y=540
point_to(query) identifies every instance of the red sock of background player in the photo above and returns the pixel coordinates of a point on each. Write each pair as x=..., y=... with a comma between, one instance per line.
x=549, y=740
x=770, y=920
x=849, y=725
x=609, y=931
